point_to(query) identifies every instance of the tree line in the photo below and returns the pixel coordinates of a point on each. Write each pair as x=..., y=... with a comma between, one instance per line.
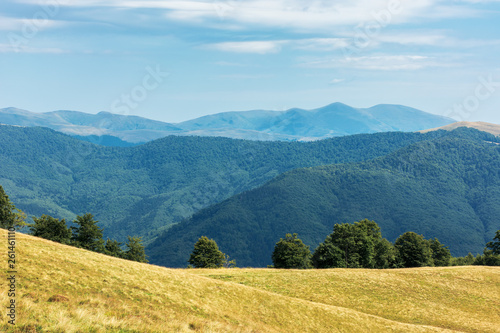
x=86, y=234
x=357, y=245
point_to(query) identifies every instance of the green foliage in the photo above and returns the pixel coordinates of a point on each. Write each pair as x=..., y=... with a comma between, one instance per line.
x=441, y=255
x=491, y=254
x=145, y=189
x=446, y=187
x=488, y=258
x=327, y=255
x=51, y=228
x=87, y=234
x=413, y=250
x=228, y=262
x=291, y=252
x=463, y=261
x=355, y=245
x=113, y=248
x=494, y=245
x=10, y=216
x=135, y=250
x=206, y=254
x=385, y=254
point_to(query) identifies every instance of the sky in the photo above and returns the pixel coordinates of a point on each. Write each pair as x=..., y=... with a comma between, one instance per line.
x=175, y=60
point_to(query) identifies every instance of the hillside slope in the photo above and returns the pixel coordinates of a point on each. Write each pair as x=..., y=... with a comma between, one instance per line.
x=138, y=190
x=447, y=187
x=65, y=289
x=479, y=125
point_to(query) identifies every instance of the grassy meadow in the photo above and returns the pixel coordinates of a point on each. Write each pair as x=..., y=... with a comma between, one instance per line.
x=65, y=289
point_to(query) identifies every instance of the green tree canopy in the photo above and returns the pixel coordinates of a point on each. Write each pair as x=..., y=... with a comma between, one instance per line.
x=206, y=254
x=355, y=245
x=87, y=234
x=291, y=252
x=327, y=255
x=135, y=250
x=413, y=250
x=10, y=216
x=494, y=245
x=441, y=255
x=491, y=254
x=385, y=254
x=50, y=228
x=113, y=248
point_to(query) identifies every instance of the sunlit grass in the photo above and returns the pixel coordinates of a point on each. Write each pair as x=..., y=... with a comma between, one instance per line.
x=64, y=289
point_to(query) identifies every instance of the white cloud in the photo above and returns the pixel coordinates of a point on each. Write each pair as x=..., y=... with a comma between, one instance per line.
x=379, y=62
x=299, y=15
x=336, y=81
x=321, y=44
x=7, y=48
x=29, y=25
x=260, y=47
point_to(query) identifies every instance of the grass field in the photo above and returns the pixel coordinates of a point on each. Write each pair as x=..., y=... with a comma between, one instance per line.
x=64, y=289
x=480, y=125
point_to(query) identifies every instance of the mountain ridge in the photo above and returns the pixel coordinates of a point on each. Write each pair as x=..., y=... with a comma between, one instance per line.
x=446, y=187
x=336, y=119
x=143, y=189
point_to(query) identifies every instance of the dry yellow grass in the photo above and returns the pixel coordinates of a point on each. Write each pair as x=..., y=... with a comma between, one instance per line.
x=480, y=125
x=456, y=298
x=64, y=289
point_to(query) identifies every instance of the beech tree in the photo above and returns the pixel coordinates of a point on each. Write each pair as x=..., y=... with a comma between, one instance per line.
x=87, y=234
x=413, y=250
x=135, y=250
x=352, y=245
x=328, y=255
x=10, y=216
x=494, y=245
x=291, y=252
x=491, y=254
x=51, y=228
x=113, y=248
x=206, y=254
x=441, y=255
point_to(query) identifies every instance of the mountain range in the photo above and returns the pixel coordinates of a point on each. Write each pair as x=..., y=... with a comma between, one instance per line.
x=246, y=194
x=144, y=189
x=296, y=124
x=446, y=187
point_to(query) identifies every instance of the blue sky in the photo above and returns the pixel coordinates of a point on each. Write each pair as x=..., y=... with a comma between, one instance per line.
x=181, y=59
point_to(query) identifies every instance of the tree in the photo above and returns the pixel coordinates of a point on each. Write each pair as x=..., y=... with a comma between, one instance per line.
x=87, y=234
x=50, y=228
x=413, y=250
x=487, y=259
x=135, y=250
x=441, y=255
x=359, y=244
x=228, y=262
x=327, y=255
x=113, y=248
x=291, y=252
x=10, y=216
x=494, y=245
x=491, y=254
x=206, y=254
x=463, y=261
x=385, y=254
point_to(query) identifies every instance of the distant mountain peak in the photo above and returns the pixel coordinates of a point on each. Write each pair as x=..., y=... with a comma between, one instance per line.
x=335, y=119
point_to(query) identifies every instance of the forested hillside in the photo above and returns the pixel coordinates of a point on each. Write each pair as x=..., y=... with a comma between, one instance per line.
x=140, y=190
x=446, y=187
